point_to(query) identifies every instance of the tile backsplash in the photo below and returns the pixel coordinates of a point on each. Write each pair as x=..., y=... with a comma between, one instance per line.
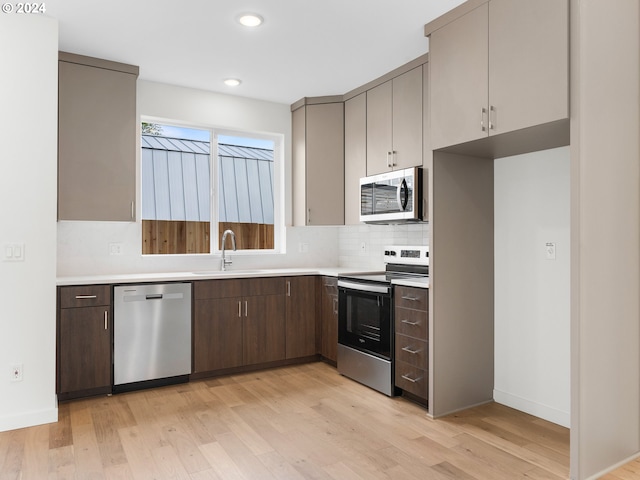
x=362, y=246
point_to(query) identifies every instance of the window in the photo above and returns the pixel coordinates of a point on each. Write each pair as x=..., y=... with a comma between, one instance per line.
x=180, y=209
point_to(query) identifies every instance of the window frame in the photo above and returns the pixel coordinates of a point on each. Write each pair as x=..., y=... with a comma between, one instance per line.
x=214, y=166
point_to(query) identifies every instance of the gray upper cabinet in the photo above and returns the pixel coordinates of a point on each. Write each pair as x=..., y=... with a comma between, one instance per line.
x=355, y=155
x=96, y=139
x=498, y=68
x=394, y=123
x=318, y=164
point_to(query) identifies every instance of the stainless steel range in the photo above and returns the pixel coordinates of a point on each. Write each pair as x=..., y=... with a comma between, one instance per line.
x=365, y=317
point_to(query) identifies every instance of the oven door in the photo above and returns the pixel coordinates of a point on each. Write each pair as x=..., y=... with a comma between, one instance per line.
x=365, y=317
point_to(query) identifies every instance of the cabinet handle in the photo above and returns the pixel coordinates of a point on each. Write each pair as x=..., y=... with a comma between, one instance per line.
x=246, y=309
x=410, y=350
x=133, y=212
x=394, y=156
x=335, y=305
x=412, y=299
x=288, y=288
x=413, y=324
x=483, y=112
x=85, y=297
x=308, y=216
x=412, y=380
x=389, y=159
x=239, y=308
x=106, y=320
x=492, y=117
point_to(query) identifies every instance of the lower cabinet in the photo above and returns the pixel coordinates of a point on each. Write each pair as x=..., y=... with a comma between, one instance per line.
x=301, y=316
x=84, y=339
x=329, y=309
x=238, y=322
x=412, y=341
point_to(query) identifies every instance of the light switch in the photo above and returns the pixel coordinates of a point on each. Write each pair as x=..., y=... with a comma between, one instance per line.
x=14, y=252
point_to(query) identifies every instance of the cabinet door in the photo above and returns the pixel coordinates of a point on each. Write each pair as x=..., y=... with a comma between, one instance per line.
x=355, y=155
x=84, y=350
x=301, y=317
x=325, y=164
x=458, y=58
x=379, y=128
x=96, y=143
x=329, y=308
x=264, y=329
x=218, y=334
x=528, y=71
x=407, y=119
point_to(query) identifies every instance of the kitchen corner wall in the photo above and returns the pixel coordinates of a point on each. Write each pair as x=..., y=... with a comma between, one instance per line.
x=532, y=292
x=362, y=246
x=28, y=122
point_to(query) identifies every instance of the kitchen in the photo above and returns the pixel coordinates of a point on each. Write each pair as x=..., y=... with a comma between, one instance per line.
x=613, y=366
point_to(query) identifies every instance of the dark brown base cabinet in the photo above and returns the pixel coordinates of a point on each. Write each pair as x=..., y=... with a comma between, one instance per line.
x=301, y=316
x=238, y=322
x=84, y=339
x=329, y=312
x=412, y=341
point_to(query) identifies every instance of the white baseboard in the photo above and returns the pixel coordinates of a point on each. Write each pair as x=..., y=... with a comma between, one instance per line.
x=28, y=419
x=533, y=408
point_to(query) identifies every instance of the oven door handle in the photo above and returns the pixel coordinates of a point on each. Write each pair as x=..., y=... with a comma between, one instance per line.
x=363, y=287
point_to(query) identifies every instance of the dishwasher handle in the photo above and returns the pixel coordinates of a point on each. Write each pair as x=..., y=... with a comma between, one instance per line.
x=154, y=296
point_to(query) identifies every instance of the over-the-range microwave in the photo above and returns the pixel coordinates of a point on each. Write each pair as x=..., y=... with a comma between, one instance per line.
x=393, y=197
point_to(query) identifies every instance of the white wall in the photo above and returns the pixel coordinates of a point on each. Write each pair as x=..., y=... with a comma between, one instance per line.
x=28, y=192
x=83, y=247
x=532, y=317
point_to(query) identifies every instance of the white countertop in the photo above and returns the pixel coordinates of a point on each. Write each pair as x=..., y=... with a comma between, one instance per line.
x=422, y=282
x=202, y=275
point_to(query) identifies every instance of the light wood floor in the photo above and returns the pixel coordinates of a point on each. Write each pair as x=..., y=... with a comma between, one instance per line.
x=301, y=422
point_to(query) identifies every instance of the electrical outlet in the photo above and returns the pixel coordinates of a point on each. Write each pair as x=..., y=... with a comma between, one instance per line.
x=115, y=248
x=363, y=247
x=16, y=372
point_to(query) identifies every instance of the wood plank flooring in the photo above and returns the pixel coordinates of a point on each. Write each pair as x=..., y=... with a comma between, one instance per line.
x=299, y=422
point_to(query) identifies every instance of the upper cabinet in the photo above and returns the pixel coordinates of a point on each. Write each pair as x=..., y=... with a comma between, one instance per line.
x=318, y=163
x=355, y=155
x=96, y=139
x=497, y=68
x=394, y=123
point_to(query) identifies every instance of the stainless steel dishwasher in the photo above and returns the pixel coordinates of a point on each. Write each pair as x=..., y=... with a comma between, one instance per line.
x=152, y=335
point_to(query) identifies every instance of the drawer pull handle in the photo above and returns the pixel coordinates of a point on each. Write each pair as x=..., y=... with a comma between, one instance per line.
x=106, y=320
x=85, y=297
x=410, y=350
x=413, y=324
x=412, y=299
x=412, y=380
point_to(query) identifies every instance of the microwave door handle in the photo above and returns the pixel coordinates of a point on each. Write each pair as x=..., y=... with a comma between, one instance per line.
x=402, y=195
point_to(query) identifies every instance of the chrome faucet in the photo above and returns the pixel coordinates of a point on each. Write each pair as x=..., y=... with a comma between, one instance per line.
x=226, y=261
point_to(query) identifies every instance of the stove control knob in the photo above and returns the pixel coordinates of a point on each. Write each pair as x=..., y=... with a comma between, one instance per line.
x=387, y=252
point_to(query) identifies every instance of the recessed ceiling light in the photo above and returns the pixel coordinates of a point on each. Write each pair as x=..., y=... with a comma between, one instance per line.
x=232, y=82
x=250, y=19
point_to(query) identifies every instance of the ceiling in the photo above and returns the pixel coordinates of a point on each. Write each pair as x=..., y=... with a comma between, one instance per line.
x=305, y=48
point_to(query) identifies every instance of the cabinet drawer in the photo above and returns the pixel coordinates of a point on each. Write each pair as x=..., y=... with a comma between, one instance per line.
x=206, y=289
x=414, y=323
x=412, y=351
x=412, y=379
x=410, y=297
x=330, y=285
x=85, y=296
